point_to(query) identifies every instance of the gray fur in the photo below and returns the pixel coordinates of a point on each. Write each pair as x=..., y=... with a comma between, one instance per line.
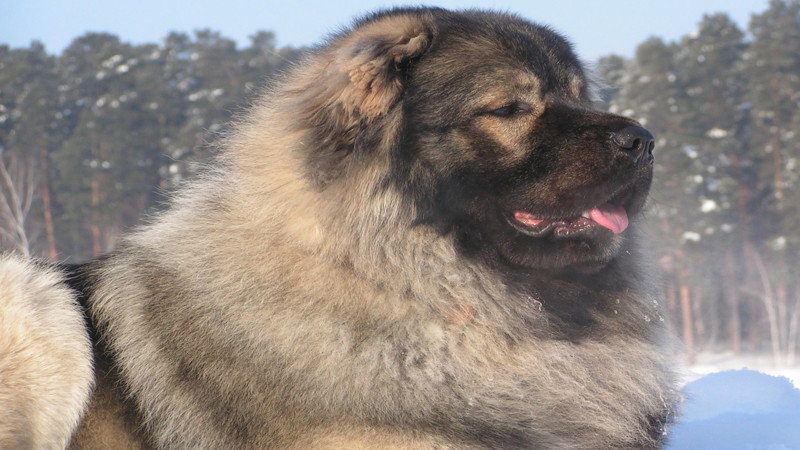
x=298, y=295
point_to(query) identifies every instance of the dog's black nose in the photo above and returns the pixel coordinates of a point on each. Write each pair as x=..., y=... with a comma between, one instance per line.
x=637, y=142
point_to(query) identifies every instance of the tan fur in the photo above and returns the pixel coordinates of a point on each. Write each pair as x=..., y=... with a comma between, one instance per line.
x=45, y=358
x=354, y=71
x=261, y=300
x=291, y=298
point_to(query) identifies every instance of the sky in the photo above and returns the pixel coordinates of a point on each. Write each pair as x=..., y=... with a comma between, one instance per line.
x=596, y=27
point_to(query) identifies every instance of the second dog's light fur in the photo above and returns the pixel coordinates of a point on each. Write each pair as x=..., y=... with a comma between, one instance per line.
x=45, y=358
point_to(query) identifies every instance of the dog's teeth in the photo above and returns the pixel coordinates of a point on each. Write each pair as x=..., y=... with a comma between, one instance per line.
x=585, y=214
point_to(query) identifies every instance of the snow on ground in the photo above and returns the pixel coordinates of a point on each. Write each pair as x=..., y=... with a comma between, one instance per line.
x=736, y=402
x=707, y=363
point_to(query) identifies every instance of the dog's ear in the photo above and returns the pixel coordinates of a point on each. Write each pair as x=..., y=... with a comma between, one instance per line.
x=370, y=61
x=347, y=86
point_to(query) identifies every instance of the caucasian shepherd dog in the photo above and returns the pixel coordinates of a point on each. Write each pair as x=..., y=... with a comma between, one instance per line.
x=423, y=236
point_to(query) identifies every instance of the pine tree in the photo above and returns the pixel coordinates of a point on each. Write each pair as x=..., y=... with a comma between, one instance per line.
x=711, y=134
x=773, y=73
x=651, y=92
x=210, y=93
x=29, y=124
x=109, y=126
x=104, y=166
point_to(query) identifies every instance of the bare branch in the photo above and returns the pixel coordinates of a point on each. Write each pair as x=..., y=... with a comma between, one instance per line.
x=17, y=181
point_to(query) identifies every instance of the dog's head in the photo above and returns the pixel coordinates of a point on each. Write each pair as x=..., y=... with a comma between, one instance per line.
x=487, y=125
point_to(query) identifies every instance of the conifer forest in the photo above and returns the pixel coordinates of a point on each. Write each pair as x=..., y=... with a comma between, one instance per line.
x=93, y=139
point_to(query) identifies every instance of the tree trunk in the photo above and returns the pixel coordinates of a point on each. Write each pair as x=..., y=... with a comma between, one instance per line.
x=783, y=311
x=780, y=288
x=768, y=297
x=94, y=227
x=686, y=309
x=732, y=294
x=777, y=164
x=794, y=329
x=48, y=209
x=672, y=303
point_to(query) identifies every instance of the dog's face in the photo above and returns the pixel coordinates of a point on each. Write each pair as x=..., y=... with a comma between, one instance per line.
x=500, y=122
x=491, y=134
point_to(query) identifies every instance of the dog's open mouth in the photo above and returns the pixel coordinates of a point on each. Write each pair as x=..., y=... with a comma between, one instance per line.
x=612, y=215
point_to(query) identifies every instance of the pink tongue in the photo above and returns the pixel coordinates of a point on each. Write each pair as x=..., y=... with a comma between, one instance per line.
x=613, y=217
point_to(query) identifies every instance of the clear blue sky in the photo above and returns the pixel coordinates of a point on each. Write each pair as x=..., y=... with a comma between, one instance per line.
x=596, y=27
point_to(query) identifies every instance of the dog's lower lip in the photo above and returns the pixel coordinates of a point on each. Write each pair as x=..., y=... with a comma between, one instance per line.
x=526, y=223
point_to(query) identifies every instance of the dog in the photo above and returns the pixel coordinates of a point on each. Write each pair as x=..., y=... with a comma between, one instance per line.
x=46, y=372
x=424, y=235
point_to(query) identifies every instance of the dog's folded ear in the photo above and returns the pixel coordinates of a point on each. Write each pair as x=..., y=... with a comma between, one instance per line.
x=355, y=81
x=371, y=60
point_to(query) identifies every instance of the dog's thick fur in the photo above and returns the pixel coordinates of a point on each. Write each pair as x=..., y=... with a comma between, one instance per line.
x=45, y=357
x=353, y=271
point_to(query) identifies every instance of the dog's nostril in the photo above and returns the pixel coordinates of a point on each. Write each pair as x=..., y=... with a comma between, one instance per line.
x=636, y=141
